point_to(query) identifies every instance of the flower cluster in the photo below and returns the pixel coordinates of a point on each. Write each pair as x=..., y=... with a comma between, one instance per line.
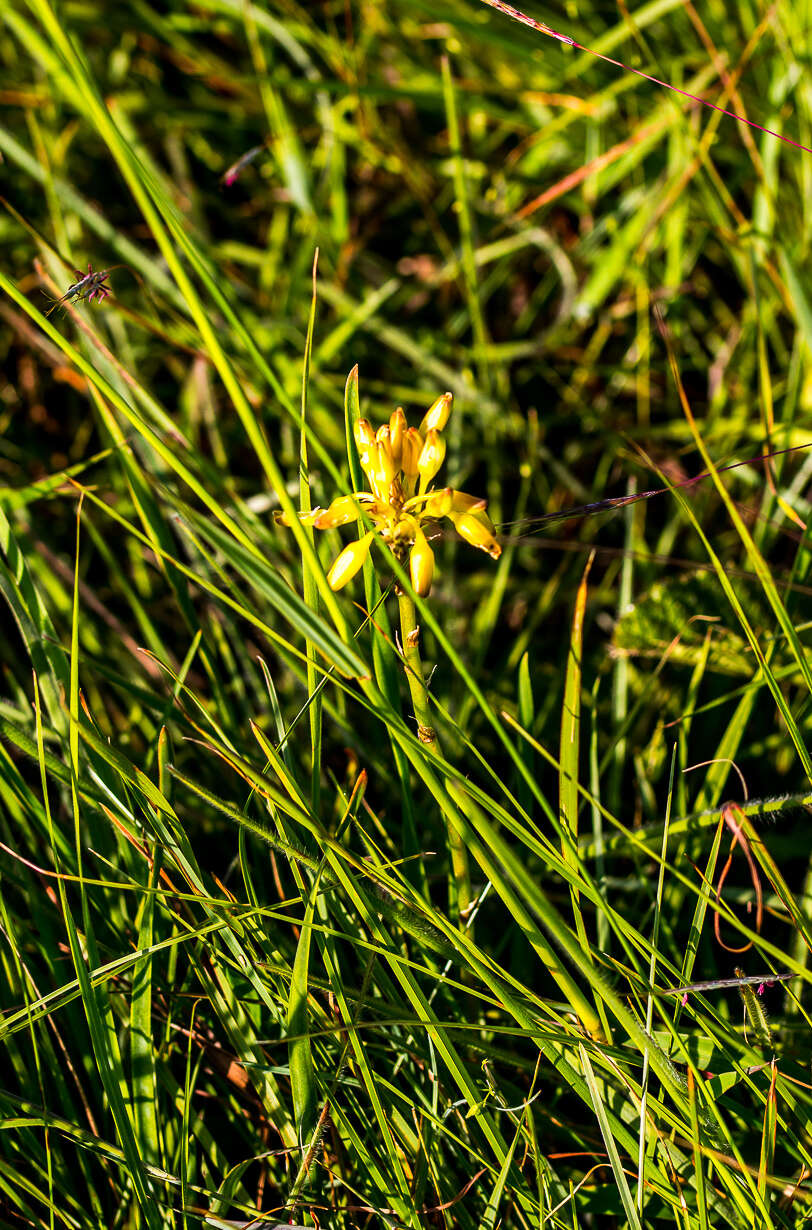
x=401, y=463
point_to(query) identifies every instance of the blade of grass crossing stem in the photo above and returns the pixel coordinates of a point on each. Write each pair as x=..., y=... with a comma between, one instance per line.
x=300, y=1051
x=767, y=1158
x=570, y=745
x=262, y=576
x=569, y=762
x=157, y=209
x=652, y=971
x=602, y=927
x=311, y=589
x=609, y=1141
x=696, y=1144
x=527, y=715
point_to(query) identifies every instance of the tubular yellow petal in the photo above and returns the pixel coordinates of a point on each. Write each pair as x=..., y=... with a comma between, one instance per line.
x=349, y=561
x=412, y=448
x=397, y=430
x=439, y=503
x=470, y=528
x=421, y=564
x=437, y=414
x=431, y=457
x=371, y=465
x=386, y=464
x=364, y=435
x=340, y=512
x=462, y=502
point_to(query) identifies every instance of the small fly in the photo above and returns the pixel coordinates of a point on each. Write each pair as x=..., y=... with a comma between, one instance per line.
x=89, y=286
x=236, y=169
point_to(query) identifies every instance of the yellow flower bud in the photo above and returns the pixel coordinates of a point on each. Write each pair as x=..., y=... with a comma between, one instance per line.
x=437, y=415
x=397, y=430
x=386, y=464
x=421, y=564
x=349, y=561
x=340, y=512
x=364, y=434
x=412, y=448
x=371, y=465
x=431, y=457
x=470, y=528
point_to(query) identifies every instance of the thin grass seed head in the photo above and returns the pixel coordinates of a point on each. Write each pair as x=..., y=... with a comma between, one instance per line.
x=401, y=464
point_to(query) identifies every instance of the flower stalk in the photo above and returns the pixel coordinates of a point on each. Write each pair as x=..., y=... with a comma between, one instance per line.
x=402, y=509
x=413, y=666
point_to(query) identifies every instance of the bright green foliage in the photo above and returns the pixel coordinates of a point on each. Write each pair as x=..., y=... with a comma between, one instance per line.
x=233, y=981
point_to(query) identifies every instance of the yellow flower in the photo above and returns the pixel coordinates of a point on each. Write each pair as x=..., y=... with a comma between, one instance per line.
x=401, y=463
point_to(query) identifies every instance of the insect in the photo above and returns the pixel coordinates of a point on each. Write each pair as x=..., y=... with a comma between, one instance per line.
x=236, y=169
x=88, y=286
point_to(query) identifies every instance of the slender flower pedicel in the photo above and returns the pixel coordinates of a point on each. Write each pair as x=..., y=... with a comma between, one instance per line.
x=401, y=464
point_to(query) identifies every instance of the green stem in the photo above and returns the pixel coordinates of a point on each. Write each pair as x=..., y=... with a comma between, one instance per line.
x=413, y=666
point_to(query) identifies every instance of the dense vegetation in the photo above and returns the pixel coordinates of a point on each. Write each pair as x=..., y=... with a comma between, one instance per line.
x=267, y=955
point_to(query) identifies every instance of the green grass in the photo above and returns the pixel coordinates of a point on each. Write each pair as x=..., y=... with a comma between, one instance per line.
x=236, y=987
